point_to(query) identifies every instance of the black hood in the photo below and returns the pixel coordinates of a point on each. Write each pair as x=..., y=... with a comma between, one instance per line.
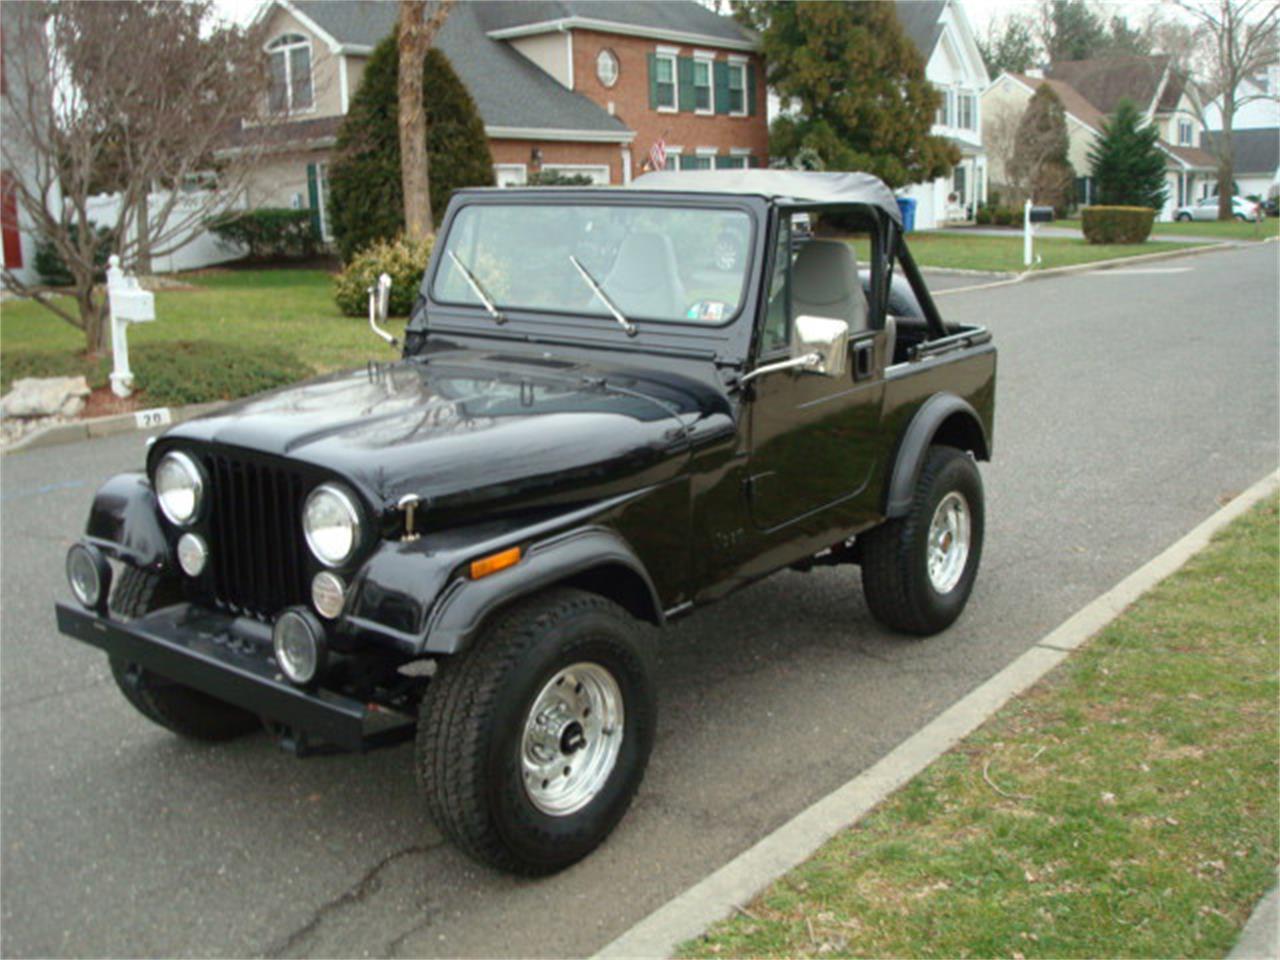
x=469, y=428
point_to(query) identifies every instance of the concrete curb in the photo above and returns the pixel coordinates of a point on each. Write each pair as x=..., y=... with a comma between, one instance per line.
x=1260, y=938
x=1095, y=265
x=94, y=427
x=692, y=912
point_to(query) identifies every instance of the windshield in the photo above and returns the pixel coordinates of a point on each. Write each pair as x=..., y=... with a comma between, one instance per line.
x=654, y=263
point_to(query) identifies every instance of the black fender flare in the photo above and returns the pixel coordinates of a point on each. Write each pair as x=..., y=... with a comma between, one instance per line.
x=966, y=427
x=124, y=522
x=465, y=604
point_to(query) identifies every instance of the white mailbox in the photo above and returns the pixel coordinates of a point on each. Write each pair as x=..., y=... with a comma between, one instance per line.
x=128, y=303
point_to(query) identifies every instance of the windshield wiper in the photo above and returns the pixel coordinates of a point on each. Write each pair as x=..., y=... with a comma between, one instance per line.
x=478, y=290
x=626, y=324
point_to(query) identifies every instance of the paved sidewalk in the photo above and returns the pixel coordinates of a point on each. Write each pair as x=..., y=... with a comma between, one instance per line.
x=1260, y=938
x=1069, y=233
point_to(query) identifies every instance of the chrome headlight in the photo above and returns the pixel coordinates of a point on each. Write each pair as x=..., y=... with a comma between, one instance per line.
x=179, y=487
x=331, y=523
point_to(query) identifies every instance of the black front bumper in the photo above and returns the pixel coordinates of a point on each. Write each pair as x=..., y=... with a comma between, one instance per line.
x=225, y=657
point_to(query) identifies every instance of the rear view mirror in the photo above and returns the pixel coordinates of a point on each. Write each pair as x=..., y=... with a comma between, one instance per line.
x=826, y=338
x=379, y=305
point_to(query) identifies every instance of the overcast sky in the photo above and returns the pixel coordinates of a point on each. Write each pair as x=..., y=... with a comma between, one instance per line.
x=981, y=12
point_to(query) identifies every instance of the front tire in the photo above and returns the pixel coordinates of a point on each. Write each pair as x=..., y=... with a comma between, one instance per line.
x=188, y=713
x=532, y=743
x=918, y=570
x=1184, y=218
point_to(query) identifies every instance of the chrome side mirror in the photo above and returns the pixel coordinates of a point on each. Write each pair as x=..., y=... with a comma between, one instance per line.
x=819, y=345
x=379, y=305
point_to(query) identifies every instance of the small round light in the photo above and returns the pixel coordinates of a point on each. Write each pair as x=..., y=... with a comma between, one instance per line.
x=331, y=523
x=193, y=554
x=328, y=594
x=298, y=640
x=89, y=575
x=179, y=487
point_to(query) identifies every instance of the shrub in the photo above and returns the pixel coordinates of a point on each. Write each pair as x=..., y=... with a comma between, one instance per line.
x=402, y=259
x=1127, y=163
x=365, y=198
x=1117, y=224
x=53, y=271
x=172, y=373
x=269, y=232
x=1006, y=217
x=557, y=178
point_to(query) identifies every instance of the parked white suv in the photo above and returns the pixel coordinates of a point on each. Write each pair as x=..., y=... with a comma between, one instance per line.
x=1207, y=209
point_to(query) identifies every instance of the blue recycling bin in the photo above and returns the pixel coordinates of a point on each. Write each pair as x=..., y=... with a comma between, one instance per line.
x=908, y=207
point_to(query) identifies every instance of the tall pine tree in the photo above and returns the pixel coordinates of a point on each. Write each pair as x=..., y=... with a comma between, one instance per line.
x=366, y=199
x=857, y=86
x=1127, y=166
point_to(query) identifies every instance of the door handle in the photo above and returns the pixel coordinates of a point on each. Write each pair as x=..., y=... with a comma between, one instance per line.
x=864, y=359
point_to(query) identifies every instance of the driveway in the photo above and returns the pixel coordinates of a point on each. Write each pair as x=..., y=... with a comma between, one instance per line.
x=1132, y=402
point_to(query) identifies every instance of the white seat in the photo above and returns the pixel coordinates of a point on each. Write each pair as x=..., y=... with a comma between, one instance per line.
x=825, y=283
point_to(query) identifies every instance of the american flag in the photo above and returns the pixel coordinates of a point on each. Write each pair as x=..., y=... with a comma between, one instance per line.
x=658, y=154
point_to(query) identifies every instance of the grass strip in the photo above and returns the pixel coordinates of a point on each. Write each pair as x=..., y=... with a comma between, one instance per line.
x=1221, y=229
x=967, y=251
x=1127, y=805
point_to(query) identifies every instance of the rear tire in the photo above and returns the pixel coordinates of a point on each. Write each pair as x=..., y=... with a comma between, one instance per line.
x=188, y=713
x=1184, y=218
x=480, y=734
x=918, y=570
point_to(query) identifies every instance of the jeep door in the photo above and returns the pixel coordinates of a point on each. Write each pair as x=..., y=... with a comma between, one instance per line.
x=814, y=439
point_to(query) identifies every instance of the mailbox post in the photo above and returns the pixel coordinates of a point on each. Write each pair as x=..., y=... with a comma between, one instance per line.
x=1030, y=217
x=128, y=303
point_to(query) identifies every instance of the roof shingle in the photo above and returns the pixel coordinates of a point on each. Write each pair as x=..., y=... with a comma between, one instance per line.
x=1256, y=152
x=1106, y=81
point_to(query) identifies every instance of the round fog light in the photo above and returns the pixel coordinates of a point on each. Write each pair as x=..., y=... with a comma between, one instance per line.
x=193, y=554
x=298, y=640
x=89, y=575
x=328, y=595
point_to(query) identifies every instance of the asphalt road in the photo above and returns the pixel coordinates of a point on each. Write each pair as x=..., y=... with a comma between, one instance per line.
x=1131, y=404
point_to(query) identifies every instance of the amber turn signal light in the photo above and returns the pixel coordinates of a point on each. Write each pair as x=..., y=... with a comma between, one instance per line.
x=494, y=562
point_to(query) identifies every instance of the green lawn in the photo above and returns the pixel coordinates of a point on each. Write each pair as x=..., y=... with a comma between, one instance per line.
x=1228, y=230
x=1124, y=807
x=290, y=309
x=1004, y=254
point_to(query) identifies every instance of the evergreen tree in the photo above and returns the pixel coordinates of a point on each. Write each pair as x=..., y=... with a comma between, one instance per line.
x=857, y=88
x=1127, y=166
x=1010, y=45
x=1072, y=30
x=366, y=202
x=1041, y=165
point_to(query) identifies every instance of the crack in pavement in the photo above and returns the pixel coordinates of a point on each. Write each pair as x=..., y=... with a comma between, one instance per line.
x=357, y=893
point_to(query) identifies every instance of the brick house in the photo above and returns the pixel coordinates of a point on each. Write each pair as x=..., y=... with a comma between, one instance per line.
x=578, y=86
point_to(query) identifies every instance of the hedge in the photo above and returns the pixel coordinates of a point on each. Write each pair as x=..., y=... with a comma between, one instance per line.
x=172, y=373
x=269, y=232
x=53, y=270
x=1103, y=224
x=404, y=261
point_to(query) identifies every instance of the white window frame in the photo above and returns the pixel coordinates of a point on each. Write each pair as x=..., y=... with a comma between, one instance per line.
x=966, y=98
x=617, y=68
x=284, y=44
x=673, y=158
x=737, y=63
x=707, y=58
x=672, y=56
x=501, y=168
x=1190, y=129
x=588, y=168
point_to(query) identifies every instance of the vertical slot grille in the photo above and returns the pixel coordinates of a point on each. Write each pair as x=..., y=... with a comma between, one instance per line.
x=257, y=549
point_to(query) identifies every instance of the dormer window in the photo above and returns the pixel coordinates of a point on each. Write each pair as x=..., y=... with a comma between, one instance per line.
x=289, y=59
x=1186, y=133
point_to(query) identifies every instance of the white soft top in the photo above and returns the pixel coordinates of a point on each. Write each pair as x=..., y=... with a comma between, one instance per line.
x=815, y=187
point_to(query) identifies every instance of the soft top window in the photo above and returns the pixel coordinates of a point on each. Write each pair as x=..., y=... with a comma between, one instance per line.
x=670, y=264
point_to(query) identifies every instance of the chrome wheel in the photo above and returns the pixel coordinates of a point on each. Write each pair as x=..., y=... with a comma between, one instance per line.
x=572, y=735
x=949, y=536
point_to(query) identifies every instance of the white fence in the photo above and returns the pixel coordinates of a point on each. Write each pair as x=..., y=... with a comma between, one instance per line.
x=197, y=248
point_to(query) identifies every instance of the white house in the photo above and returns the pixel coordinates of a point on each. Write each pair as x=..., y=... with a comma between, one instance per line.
x=942, y=33
x=1260, y=108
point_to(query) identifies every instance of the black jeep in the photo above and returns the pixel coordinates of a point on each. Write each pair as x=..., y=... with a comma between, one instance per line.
x=600, y=422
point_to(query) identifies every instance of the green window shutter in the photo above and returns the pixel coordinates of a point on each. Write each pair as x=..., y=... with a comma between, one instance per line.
x=722, y=86
x=684, y=72
x=653, y=81
x=751, y=89
x=687, y=161
x=313, y=196
x=753, y=160
x=723, y=163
